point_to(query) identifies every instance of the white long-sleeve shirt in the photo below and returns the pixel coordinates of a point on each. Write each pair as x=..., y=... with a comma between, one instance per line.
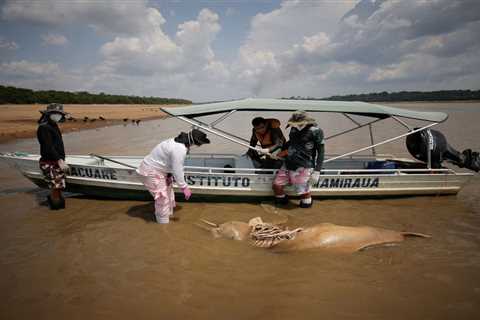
x=168, y=156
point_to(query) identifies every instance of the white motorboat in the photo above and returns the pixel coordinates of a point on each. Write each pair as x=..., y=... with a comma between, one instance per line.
x=224, y=176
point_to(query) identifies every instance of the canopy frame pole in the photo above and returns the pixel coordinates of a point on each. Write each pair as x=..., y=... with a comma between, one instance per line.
x=112, y=160
x=380, y=143
x=351, y=119
x=403, y=123
x=214, y=131
x=430, y=149
x=222, y=131
x=371, y=139
x=353, y=129
x=221, y=118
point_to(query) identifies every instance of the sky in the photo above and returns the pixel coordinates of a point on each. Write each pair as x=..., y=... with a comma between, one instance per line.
x=208, y=50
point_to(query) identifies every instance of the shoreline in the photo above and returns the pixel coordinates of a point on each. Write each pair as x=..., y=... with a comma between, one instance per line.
x=21, y=121
x=67, y=127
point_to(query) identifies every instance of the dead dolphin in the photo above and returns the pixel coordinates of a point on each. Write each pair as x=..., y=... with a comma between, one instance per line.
x=326, y=236
x=234, y=230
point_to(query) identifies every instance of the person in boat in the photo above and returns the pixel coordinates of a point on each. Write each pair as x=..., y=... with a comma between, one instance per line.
x=303, y=160
x=52, y=153
x=269, y=135
x=163, y=165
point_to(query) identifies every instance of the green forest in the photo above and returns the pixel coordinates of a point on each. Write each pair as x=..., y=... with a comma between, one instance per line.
x=443, y=95
x=13, y=95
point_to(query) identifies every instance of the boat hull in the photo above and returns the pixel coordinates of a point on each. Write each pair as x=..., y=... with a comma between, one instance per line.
x=97, y=178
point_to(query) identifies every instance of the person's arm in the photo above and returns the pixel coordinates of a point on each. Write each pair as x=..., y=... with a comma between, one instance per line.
x=253, y=143
x=277, y=139
x=45, y=139
x=178, y=158
x=253, y=139
x=320, y=148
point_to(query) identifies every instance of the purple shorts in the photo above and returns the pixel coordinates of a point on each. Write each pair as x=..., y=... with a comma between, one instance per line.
x=298, y=178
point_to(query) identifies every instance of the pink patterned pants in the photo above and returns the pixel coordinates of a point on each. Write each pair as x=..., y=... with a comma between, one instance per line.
x=160, y=187
x=298, y=178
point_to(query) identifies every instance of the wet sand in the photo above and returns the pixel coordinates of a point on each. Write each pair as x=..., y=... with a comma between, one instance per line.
x=20, y=121
x=106, y=259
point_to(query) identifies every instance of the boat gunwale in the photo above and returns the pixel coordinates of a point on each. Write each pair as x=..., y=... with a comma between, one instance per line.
x=254, y=171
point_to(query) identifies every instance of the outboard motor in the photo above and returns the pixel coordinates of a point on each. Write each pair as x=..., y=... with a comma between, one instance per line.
x=418, y=143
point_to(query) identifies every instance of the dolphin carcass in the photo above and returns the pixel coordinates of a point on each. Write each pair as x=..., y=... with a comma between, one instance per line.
x=325, y=236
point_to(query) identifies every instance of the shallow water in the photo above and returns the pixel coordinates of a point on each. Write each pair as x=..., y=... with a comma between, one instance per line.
x=106, y=259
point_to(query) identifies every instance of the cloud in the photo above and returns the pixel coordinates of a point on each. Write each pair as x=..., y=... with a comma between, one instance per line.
x=230, y=12
x=117, y=17
x=307, y=48
x=27, y=69
x=54, y=39
x=8, y=45
x=397, y=44
x=154, y=52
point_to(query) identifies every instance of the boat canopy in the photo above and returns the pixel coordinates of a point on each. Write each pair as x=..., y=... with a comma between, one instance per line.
x=348, y=107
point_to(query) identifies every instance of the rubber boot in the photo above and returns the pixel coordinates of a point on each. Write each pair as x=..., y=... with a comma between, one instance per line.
x=305, y=205
x=281, y=201
x=55, y=204
x=62, y=203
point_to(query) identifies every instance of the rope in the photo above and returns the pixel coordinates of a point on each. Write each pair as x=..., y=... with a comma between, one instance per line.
x=267, y=235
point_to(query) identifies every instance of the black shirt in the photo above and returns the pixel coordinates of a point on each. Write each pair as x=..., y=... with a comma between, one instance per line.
x=51, y=142
x=305, y=148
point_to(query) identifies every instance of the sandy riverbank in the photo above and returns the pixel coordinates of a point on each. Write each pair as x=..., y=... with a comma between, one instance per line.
x=20, y=121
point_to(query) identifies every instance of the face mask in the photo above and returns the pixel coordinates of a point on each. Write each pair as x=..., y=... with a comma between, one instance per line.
x=56, y=117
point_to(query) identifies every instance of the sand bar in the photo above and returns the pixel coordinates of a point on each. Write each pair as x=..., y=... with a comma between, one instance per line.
x=20, y=121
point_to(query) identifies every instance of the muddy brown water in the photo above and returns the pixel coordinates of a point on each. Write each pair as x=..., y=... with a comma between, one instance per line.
x=105, y=259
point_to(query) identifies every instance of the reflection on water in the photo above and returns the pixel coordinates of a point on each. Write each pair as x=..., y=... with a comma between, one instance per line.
x=107, y=259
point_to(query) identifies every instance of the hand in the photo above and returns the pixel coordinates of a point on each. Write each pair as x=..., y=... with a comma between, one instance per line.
x=65, y=167
x=314, y=178
x=186, y=192
x=262, y=150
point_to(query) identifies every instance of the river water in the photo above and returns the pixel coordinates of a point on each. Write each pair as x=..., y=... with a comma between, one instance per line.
x=105, y=259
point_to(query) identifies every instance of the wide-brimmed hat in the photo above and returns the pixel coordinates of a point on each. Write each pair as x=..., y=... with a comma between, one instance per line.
x=199, y=137
x=300, y=117
x=54, y=108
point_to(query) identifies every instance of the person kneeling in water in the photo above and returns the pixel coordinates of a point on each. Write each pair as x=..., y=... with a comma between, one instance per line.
x=164, y=162
x=304, y=159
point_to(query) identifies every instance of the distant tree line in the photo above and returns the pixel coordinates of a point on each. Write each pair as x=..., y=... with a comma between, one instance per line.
x=12, y=95
x=443, y=95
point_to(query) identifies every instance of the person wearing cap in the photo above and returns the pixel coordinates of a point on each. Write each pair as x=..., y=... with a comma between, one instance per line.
x=303, y=159
x=165, y=164
x=52, y=153
x=267, y=132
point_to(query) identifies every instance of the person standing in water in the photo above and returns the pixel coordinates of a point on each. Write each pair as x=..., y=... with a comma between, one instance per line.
x=52, y=153
x=304, y=159
x=164, y=165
